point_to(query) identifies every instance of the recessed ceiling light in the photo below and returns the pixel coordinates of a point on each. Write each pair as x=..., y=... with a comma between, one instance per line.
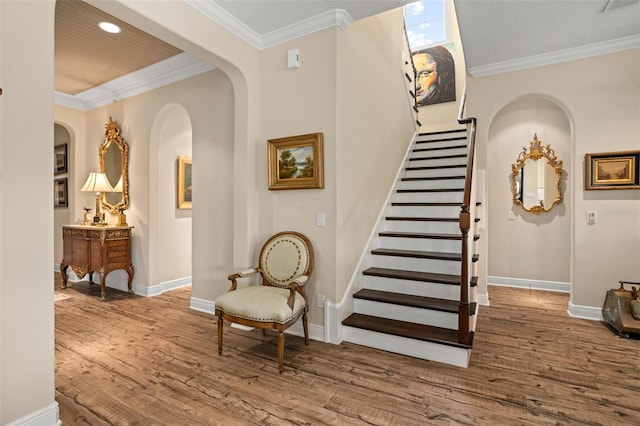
x=109, y=27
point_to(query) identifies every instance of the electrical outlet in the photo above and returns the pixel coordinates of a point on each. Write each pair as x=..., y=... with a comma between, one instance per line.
x=320, y=301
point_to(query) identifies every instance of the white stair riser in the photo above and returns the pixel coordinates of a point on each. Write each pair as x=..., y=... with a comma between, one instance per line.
x=425, y=211
x=406, y=313
x=454, y=171
x=416, y=348
x=416, y=288
x=420, y=265
x=429, y=197
x=433, y=142
x=437, y=162
x=437, y=152
x=431, y=184
x=423, y=226
x=423, y=244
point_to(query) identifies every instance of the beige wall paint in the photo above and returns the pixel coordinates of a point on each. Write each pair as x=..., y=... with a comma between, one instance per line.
x=189, y=117
x=603, y=115
x=26, y=211
x=375, y=127
x=533, y=247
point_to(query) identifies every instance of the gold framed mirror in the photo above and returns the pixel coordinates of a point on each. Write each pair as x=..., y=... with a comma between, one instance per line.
x=114, y=160
x=535, y=178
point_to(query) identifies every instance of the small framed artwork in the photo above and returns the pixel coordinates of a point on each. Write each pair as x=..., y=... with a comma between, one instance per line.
x=184, y=183
x=296, y=162
x=60, y=193
x=612, y=170
x=60, y=159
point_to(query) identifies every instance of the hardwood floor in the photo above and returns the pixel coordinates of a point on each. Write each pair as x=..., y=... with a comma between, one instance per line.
x=152, y=361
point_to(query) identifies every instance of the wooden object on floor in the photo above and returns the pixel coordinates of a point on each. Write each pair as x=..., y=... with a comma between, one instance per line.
x=284, y=266
x=102, y=249
x=153, y=361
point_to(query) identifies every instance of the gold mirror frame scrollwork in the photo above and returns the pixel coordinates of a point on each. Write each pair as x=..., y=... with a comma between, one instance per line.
x=536, y=152
x=112, y=136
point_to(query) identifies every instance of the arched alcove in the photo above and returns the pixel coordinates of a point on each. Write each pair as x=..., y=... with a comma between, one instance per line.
x=62, y=215
x=171, y=234
x=525, y=248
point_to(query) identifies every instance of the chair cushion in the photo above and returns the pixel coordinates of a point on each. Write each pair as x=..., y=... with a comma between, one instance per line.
x=260, y=303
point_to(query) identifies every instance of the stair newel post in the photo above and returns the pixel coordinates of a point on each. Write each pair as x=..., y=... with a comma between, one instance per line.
x=464, y=307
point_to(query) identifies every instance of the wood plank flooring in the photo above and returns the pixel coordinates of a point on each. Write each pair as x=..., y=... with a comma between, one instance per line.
x=152, y=361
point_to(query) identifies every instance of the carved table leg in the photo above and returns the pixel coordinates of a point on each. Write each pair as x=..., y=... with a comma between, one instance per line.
x=103, y=285
x=130, y=272
x=63, y=272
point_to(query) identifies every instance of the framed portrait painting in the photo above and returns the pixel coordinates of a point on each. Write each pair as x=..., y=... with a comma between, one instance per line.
x=60, y=193
x=612, y=170
x=296, y=162
x=60, y=159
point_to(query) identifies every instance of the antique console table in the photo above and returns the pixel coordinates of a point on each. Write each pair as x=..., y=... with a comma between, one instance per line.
x=102, y=249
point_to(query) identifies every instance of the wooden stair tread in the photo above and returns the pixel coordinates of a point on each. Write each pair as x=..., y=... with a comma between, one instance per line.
x=418, y=179
x=410, y=330
x=438, y=157
x=424, y=219
x=443, y=132
x=422, y=254
x=445, y=166
x=420, y=235
x=438, y=148
x=428, y=204
x=417, y=254
x=413, y=275
x=432, y=303
x=408, y=191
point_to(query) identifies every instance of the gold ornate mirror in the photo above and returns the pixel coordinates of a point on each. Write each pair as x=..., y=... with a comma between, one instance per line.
x=114, y=159
x=535, y=178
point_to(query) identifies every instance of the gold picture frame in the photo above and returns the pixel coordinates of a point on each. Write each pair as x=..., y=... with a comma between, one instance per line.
x=184, y=183
x=296, y=162
x=612, y=170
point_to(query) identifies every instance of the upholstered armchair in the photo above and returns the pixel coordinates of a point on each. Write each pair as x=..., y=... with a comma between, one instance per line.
x=284, y=266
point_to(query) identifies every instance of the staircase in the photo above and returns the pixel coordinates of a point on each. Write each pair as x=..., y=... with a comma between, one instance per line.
x=410, y=302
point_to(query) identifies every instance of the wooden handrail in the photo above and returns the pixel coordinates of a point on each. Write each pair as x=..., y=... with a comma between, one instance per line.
x=464, y=310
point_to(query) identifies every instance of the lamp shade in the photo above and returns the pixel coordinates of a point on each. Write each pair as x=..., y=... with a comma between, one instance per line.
x=97, y=182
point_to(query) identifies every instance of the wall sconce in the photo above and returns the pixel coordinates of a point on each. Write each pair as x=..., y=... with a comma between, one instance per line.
x=98, y=183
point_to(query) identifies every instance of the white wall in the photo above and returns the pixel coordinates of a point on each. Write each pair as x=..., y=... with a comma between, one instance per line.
x=603, y=114
x=26, y=212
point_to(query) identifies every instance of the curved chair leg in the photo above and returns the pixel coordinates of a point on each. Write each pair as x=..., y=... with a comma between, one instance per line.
x=220, y=322
x=305, y=325
x=280, y=351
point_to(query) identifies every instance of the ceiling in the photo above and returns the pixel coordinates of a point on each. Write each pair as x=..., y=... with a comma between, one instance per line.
x=94, y=68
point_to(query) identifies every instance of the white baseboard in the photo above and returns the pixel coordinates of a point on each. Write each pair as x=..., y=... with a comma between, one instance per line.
x=483, y=299
x=47, y=416
x=118, y=280
x=585, y=312
x=561, y=287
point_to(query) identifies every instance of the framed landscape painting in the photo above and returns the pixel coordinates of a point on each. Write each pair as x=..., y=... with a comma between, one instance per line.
x=612, y=170
x=60, y=159
x=296, y=162
x=184, y=183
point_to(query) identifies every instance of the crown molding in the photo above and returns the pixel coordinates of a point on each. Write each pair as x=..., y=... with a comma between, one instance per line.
x=160, y=74
x=617, y=45
x=223, y=18
x=331, y=18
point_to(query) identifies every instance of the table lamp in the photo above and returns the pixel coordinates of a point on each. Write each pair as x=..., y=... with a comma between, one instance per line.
x=98, y=183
